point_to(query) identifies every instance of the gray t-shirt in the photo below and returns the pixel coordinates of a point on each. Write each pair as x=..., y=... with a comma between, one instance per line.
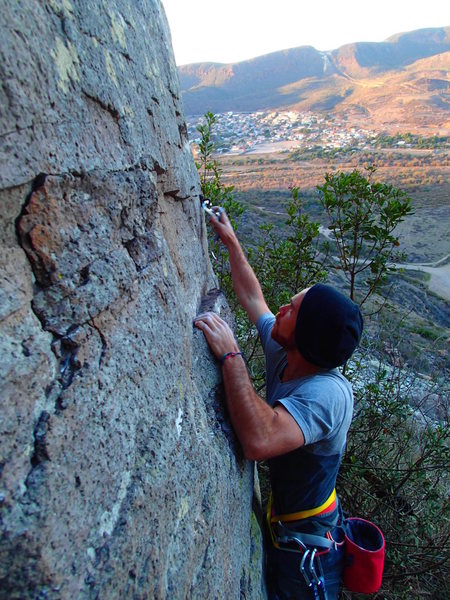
x=322, y=405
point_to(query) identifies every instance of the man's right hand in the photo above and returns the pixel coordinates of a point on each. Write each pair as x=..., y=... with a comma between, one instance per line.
x=223, y=227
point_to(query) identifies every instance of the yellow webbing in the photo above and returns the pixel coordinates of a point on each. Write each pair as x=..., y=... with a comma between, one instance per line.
x=301, y=514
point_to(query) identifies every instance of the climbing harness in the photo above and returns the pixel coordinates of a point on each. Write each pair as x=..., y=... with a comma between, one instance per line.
x=310, y=546
x=326, y=507
x=364, y=549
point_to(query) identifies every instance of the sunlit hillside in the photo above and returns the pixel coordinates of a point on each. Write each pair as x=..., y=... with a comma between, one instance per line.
x=401, y=83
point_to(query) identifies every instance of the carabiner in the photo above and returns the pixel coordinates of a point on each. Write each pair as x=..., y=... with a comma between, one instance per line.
x=315, y=582
x=303, y=569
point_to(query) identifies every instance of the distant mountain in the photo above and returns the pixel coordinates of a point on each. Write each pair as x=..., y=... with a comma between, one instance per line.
x=402, y=80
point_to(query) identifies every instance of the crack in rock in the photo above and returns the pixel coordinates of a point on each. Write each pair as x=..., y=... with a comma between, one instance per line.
x=40, y=453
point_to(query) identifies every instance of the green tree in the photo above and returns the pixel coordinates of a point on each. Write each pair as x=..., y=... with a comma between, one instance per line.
x=363, y=215
x=219, y=194
x=208, y=167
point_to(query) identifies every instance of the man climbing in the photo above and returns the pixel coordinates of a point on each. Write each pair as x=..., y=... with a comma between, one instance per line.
x=302, y=426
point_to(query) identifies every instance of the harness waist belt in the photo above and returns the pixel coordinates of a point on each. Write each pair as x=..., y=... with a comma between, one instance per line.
x=283, y=535
x=327, y=506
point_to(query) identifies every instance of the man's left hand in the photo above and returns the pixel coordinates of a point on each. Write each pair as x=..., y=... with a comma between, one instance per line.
x=218, y=334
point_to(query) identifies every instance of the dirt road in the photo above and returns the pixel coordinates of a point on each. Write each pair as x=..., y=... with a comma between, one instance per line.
x=439, y=275
x=439, y=271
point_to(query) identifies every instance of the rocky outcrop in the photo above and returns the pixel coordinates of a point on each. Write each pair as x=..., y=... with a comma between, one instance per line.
x=120, y=474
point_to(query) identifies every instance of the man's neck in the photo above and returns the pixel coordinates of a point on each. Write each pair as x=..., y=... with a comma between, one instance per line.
x=298, y=367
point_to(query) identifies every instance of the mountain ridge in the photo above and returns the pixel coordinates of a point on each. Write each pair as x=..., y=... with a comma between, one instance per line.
x=304, y=78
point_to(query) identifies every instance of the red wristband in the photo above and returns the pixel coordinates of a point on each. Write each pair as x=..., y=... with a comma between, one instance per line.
x=230, y=355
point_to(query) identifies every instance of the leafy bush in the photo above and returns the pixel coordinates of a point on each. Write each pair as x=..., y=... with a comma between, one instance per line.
x=394, y=473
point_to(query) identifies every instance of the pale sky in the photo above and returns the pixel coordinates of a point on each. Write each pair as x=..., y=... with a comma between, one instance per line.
x=234, y=30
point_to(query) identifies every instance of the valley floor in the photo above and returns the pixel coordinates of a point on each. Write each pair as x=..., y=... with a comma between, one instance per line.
x=263, y=182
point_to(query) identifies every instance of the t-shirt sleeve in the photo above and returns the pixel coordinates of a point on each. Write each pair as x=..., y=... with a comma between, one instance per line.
x=275, y=354
x=264, y=326
x=318, y=413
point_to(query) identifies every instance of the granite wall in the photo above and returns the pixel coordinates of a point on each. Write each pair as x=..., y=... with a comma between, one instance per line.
x=120, y=474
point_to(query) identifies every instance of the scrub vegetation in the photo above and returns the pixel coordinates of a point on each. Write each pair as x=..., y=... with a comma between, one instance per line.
x=395, y=470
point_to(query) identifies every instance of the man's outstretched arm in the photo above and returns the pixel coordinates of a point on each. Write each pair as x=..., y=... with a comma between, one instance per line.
x=263, y=431
x=245, y=283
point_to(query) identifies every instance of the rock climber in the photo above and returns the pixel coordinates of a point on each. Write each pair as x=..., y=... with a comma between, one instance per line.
x=301, y=427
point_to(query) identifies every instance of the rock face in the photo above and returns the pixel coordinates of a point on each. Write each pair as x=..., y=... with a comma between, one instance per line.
x=120, y=474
